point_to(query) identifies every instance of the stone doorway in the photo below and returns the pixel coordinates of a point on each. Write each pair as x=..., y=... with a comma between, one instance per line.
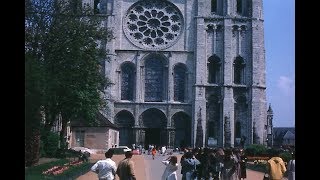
x=125, y=121
x=152, y=136
x=154, y=124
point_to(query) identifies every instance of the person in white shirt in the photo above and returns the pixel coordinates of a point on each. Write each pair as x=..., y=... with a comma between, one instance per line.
x=106, y=169
x=163, y=150
x=170, y=173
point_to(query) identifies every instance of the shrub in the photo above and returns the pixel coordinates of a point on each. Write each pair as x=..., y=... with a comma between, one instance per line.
x=51, y=146
x=272, y=151
x=256, y=150
x=286, y=156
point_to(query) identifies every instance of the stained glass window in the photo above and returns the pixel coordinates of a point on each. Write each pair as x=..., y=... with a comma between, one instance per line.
x=127, y=82
x=154, y=80
x=179, y=82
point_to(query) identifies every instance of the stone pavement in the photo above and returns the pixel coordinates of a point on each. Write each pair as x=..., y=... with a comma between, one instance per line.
x=148, y=169
x=139, y=166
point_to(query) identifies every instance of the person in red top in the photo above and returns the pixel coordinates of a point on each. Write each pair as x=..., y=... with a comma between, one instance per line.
x=153, y=152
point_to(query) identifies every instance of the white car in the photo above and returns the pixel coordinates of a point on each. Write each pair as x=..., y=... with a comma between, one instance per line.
x=125, y=148
x=83, y=149
x=121, y=149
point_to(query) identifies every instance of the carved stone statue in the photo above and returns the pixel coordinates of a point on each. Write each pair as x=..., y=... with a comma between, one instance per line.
x=227, y=131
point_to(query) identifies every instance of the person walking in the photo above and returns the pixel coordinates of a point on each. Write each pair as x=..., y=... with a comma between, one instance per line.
x=291, y=167
x=230, y=164
x=153, y=152
x=276, y=167
x=189, y=164
x=243, y=164
x=170, y=173
x=163, y=150
x=125, y=169
x=106, y=169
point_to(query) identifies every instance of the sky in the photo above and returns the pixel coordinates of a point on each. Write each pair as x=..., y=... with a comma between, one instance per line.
x=279, y=25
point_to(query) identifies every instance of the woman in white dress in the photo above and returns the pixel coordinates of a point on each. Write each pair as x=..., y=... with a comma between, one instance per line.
x=170, y=173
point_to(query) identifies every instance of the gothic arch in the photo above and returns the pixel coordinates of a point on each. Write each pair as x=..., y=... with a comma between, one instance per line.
x=180, y=79
x=125, y=121
x=214, y=69
x=181, y=121
x=128, y=76
x=239, y=70
x=153, y=118
x=155, y=79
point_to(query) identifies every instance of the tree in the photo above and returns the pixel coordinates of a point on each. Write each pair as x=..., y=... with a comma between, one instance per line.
x=66, y=44
x=36, y=25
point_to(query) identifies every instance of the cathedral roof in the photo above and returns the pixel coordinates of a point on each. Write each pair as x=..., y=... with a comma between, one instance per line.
x=284, y=132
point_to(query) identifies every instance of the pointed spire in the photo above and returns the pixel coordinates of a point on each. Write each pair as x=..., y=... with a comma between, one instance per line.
x=270, y=111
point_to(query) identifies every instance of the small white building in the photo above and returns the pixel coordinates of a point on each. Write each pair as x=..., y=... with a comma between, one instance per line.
x=99, y=137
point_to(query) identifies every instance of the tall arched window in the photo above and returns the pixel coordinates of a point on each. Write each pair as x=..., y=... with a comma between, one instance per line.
x=238, y=70
x=238, y=129
x=244, y=7
x=179, y=82
x=214, y=6
x=239, y=6
x=154, y=75
x=127, y=81
x=214, y=66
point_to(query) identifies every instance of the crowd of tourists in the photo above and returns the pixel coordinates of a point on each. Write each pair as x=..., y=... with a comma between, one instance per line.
x=198, y=164
x=218, y=163
x=229, y=164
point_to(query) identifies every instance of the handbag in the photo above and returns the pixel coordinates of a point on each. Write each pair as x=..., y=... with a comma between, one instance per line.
x=266, y=176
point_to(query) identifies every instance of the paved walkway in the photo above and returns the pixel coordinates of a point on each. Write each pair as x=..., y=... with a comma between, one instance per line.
x=148, y=169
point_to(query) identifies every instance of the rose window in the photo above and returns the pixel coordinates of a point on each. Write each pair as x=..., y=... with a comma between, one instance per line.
x=153, y=24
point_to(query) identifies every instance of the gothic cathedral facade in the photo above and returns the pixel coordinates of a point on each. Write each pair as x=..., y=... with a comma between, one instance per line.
x=187, y=73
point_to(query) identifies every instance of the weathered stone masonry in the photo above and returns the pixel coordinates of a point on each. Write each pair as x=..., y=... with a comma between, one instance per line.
x=179, y=62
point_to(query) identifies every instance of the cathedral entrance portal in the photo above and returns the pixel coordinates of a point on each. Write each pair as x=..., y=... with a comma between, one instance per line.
x=125, y=121
x=152, y=136
x=154, y=124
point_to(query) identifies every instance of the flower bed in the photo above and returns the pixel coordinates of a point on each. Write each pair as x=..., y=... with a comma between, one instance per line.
x=255, y=158
x=61, y=169
x=55, y=170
